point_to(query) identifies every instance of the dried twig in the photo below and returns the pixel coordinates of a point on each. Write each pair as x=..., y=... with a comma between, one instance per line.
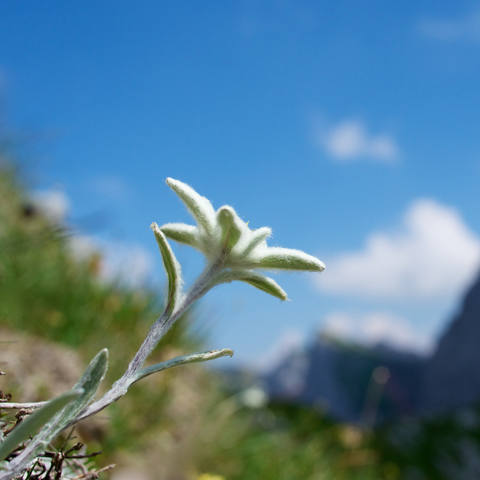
x=20, y=406
x=94, y=474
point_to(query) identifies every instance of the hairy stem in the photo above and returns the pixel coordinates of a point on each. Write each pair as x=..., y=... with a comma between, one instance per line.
x=161, y=326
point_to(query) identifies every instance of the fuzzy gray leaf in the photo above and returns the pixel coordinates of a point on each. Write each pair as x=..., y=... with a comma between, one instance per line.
x=36, y=421
x=200, y=207
x=172, y=268
x=174, y=362
x=257, y=280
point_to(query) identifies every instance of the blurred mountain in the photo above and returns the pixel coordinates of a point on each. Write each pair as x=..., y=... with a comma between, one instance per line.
x=368, y=385
x=452, y=374
x=350, y=382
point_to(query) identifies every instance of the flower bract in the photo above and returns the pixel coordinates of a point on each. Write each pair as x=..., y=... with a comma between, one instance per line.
x=224, y=238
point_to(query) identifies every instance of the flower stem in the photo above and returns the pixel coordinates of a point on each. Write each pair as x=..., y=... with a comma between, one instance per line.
x=202, y=285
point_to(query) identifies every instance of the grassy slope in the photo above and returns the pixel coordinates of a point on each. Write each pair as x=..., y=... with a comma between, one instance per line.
x=180, y=416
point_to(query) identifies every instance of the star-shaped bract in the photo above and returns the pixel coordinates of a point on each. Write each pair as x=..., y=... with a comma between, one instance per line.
x=222, y=236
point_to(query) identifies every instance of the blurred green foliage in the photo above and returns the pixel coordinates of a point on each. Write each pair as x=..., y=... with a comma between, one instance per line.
x=282, y=442
x=183, y=422
x=47, y=291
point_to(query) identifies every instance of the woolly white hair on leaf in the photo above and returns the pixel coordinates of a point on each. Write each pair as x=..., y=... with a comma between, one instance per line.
x=225, y=239
x=29, y=427
x=192, y=358
x=172, y=268
x=255, y=279
x=277, y=258
x=182, y=233
x=255, y=239
x=231, y=227
x=200, y=207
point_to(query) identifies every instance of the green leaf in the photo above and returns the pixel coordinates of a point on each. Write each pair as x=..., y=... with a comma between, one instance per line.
x=182, y=233
x=255, y=279
x=276, y=258
x=200, y=207
x=231, y=227
x=172, y=268
x=36, y=421
x=174, y=362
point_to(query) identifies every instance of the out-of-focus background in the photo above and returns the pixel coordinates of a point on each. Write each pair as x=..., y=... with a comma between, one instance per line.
x=350, y=128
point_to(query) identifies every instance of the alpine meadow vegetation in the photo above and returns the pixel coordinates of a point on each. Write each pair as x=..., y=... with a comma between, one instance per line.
x=192, y=423
x=232, y=252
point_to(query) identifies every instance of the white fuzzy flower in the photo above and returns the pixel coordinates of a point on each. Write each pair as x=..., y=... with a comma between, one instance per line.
x=225, y=239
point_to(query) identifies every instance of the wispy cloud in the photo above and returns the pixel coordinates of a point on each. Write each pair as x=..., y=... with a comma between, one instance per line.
x=466, y=28
x=53, y=203
x=111, y=186
x=432, y=254
x=128, y=263
x=374, y=328
x=350, y=140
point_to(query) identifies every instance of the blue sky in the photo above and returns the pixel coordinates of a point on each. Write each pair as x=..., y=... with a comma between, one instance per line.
x=350, y=128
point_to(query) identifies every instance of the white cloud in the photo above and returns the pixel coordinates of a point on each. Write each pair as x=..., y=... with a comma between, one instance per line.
x=82, y=246
x=131, y=263
x=374, y=328
x=111, y=186
x=350, y=140
x=128, y=262
x=432, y=255
x=462, y=29
x=53, y=203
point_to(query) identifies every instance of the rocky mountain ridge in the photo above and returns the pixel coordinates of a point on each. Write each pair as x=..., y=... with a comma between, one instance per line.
x=368, y=385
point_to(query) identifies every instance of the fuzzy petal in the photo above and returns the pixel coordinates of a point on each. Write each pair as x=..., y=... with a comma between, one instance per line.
x=182, y=233
x=231, y=227
x=200, y=207
x=275, y=258
x=255, y=279
x=256, y=238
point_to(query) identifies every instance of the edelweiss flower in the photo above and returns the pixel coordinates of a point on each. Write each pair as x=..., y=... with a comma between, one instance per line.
x=226, y=240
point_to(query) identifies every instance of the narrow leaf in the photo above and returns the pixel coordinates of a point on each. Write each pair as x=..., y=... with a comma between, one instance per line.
x=256, y=238
x=200, y=207
x=89, y=382
x=172, y=268
x=231, y=227
x=94, y=374
x=276, y=258
x=255, y=279
x=174, y=362
x=35, y=422
x=182, y=233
